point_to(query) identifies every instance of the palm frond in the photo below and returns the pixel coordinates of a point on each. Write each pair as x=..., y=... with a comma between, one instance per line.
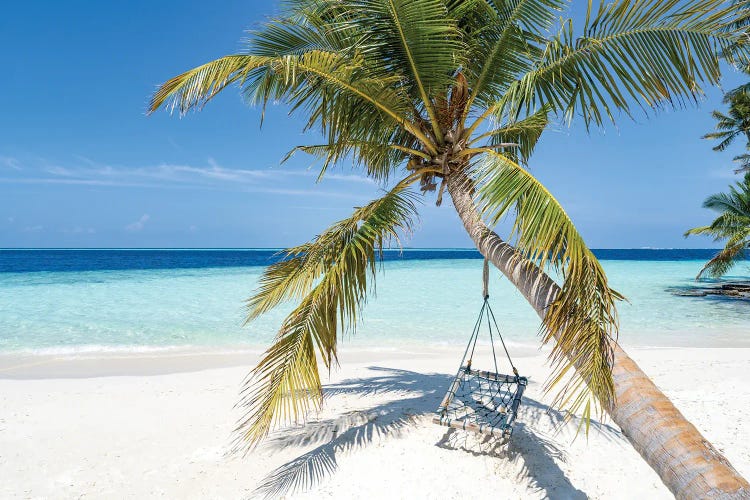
x=723, y=202
x=737, y=123
x=285, y=384
x=523, y=134
x=379, y=159
x=646, y=53
x=503, y=40
x=744, y=163
x=736, y=53
x=734, y=251
x=308, y=30
x=732, y=224
x=332, y=275
x=726, y=138
x=724, y=226
x=196, y=87
x=736, y=201
x=740, y=89
x=582, y=318
x=339, y=94
x=417, y=36
x=701, y=230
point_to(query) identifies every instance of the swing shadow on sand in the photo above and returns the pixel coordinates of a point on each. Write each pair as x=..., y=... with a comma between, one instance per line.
x=415, y=398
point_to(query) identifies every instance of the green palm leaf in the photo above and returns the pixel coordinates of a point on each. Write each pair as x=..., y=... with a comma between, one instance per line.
x=732, y=224
x=582, y=319
x=649, y=53
x=378, y=159
x=734, y=251
x=503, y=41
x=420, y=38
x=196, y=87
x=522, y=134
x=338, y=93
x=331, y=275
x=744, y=163
x=735, y=124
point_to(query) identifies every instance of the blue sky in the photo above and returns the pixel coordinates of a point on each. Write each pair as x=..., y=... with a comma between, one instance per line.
x=82, y=166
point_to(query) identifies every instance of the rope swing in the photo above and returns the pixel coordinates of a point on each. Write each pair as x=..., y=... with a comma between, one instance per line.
x=477, y=400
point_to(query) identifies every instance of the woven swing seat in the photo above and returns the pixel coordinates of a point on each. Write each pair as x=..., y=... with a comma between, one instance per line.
x=477, y=400
x=481, y=401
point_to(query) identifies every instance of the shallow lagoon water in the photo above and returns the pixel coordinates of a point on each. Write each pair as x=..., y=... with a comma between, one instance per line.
x=417, y=301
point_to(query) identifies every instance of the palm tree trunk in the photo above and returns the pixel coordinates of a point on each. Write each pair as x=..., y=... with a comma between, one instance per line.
x=686, y=462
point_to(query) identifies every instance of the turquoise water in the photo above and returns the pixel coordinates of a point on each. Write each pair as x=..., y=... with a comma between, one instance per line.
x=417, y=301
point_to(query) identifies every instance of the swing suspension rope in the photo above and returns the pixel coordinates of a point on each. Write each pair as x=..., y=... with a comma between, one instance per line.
x=486, y=313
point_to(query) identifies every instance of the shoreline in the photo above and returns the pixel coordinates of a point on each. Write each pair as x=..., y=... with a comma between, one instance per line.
x=27, y=366
x=95, y=364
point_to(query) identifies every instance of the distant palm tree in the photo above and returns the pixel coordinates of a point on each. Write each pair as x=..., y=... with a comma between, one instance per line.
x=737, y=123
x=733, y=125
x=732, y=225
x=453, y=95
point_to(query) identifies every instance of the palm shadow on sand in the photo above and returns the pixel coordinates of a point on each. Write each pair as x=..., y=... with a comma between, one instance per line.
x=414, y=397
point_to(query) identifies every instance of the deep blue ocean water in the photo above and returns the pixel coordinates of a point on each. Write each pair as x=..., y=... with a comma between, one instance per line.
x=72, y=301
x=32, y=260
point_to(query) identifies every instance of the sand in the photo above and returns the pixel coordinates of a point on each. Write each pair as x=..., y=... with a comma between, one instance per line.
x=160, y=427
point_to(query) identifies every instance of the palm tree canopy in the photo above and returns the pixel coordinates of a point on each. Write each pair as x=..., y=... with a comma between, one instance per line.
x=419, y=91
x=734, y=124
x=732, y=225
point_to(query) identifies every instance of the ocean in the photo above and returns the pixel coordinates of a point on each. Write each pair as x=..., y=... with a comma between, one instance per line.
x=88, y=301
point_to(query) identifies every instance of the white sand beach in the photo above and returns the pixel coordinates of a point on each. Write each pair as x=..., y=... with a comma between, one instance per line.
x=160, y=427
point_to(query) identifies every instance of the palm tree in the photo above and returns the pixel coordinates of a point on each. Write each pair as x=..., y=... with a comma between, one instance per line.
x=453, y=95
x=733, y=125
x=733, y=225
x=737, y=122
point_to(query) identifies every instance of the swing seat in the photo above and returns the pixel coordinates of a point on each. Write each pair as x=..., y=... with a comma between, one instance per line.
x=482, y=402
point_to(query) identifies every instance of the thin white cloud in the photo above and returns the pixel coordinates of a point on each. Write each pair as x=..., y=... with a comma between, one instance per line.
x=306, y=192
x=313, y=207
x=86, y=160
x=171, y=176
x=59, y=171
x=11, y=220
x=348, y=178
x=138, y=225
x=73, y=182
x=79, y=230
x=11, y=163
x=32, y=229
